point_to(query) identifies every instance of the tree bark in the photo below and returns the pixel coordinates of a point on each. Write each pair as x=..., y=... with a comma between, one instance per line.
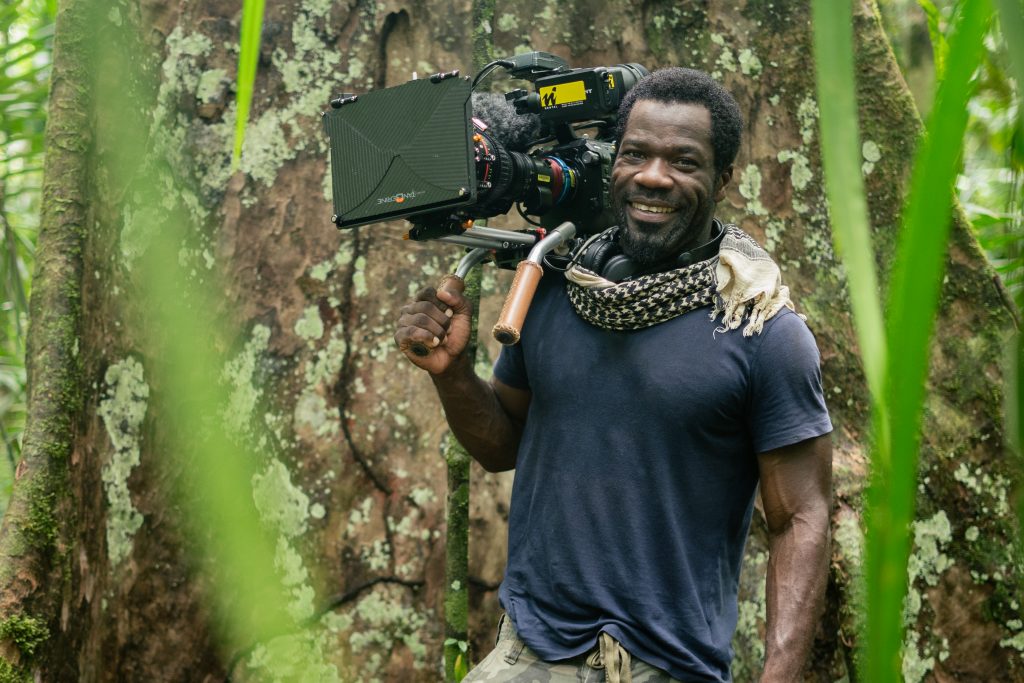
x=93, y=547
x=36, y=535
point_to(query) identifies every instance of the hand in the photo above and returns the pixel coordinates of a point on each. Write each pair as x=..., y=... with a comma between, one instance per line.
x=438, y=322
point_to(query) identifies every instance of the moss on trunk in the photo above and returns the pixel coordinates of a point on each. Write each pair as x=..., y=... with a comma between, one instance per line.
x=39, y=521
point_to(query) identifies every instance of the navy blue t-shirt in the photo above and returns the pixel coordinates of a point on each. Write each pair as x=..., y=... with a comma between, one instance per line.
x=636, y=474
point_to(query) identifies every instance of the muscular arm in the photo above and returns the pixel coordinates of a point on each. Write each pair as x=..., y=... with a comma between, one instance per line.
x=487, y=418
x=796, y=488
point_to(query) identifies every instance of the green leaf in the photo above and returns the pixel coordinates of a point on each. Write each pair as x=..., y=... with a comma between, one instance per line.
x=248, y=59
x=939, y=45
x=841, y=158
x=461, y=668
x=913, y=302
x=33, y=75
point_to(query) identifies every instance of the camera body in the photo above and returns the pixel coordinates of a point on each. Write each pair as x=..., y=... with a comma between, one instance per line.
x=425, y=152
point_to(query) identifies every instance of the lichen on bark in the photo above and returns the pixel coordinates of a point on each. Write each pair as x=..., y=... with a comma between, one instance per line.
x=123, y=411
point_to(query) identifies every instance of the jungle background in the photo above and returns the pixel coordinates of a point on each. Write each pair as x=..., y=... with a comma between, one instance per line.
x=350, y=476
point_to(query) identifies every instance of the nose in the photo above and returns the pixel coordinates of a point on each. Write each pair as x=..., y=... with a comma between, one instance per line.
x=654, y=174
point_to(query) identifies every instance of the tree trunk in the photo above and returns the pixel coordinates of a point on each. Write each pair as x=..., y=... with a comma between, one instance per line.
x=97, y=580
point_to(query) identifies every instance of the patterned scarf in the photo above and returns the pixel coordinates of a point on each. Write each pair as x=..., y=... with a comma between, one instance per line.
x=741, y=282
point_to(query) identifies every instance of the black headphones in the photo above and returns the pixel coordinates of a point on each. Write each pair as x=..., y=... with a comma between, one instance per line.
x=604, y=256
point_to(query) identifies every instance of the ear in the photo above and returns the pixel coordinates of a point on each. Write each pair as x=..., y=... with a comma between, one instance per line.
x=723, y=180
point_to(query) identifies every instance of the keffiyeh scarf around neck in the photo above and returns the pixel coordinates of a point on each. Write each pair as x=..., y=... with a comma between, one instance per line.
x=741, y=282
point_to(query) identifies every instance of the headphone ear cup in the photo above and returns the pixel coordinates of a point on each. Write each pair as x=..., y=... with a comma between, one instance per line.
x=598, y=254
x=618, y=267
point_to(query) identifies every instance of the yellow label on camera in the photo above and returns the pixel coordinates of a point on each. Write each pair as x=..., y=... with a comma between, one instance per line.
x=544, y=178
x=563, y=93
x=611, y=81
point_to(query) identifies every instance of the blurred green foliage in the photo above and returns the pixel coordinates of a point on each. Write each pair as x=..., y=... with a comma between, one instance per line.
x=26, y=31
x=990, y=186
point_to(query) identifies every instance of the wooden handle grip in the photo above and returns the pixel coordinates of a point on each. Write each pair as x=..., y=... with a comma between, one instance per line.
x=453, y=283
x=517, y=303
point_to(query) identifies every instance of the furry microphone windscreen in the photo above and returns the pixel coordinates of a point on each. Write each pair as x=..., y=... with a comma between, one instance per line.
x=514, y=131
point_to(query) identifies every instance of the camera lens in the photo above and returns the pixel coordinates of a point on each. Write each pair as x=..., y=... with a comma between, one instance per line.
x=630, y=74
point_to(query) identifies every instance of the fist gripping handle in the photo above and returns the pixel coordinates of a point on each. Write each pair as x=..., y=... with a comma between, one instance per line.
x=455, y=282
x=524, y=285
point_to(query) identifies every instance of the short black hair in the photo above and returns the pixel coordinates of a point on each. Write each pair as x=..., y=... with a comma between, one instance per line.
x=690, y=86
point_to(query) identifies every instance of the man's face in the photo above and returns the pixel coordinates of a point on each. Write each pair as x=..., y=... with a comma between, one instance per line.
x=664, y=185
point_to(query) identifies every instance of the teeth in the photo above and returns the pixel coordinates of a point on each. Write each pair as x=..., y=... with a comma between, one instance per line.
x=652, y=209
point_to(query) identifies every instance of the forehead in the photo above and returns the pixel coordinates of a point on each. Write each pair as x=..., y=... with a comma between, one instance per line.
x=665, y=121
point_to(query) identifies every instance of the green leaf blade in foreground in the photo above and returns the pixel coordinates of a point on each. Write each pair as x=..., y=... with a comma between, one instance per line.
x=913, y=303
x=841, y=158
x=216, y=466
x=217, y=475
x=212, y=456
x=248, y=58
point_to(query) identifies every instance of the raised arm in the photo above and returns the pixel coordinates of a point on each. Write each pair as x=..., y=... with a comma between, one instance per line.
x=487, y=418
x=796, y=489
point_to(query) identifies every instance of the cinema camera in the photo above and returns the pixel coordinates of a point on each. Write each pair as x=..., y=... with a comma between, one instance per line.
x=432, y=152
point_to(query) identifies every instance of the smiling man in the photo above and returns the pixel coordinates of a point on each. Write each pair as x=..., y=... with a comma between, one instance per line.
x=640, y=420
x=665, y=183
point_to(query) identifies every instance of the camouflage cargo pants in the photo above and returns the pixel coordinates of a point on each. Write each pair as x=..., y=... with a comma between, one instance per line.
x=512, y=661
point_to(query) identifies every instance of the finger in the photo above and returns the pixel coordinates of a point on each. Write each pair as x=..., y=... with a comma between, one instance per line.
x=434, y=322
x=429, y=295
x=437, y=311
x=452, y=301
x=417, y=340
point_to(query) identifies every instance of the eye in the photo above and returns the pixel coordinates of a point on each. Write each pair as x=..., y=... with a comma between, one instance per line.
x=685, y=162
x=631, y=154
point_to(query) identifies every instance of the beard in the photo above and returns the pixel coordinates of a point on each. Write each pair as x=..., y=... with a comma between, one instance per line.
x=656, y=245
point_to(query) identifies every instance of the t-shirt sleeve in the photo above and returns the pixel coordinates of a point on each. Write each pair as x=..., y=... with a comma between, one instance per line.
x=787, y=404
x=510, y=368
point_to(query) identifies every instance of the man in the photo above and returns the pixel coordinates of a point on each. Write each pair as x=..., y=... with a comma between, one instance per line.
x=639, y=430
